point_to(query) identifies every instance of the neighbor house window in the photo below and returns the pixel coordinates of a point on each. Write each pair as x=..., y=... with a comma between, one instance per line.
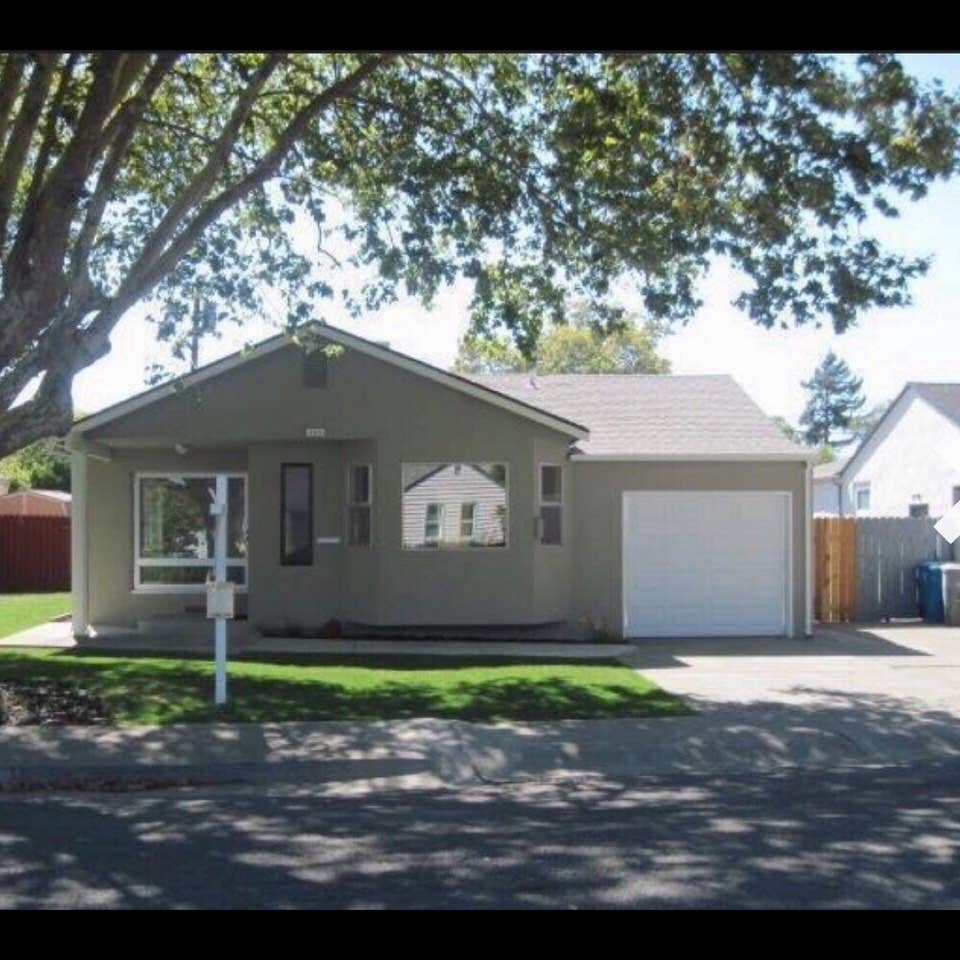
x=433, y=524
x=359, y=500
x=955, y=499
x=919, y=509
x=468, y=521
x=174, y=530
x=454, y=505
x=861, y=495
x=296, y=514
x=551, y=503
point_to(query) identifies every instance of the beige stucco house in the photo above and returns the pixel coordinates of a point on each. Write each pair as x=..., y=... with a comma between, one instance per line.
x=376, y=490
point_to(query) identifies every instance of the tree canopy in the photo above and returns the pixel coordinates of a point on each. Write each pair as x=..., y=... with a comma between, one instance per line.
x=835, y=398
x=579, y=346
x=542, y=178
x=41, y=465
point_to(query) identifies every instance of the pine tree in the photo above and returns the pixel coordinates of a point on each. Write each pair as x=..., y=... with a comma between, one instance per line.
x=836, y=396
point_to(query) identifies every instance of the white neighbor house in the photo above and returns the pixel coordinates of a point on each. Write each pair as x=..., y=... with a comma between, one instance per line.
x=908, y=466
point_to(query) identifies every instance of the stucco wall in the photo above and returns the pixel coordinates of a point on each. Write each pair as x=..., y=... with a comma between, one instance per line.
x=598, y=497
x=904, y=458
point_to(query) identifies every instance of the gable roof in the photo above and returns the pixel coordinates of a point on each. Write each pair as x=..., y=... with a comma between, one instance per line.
x=655, y=416
x=943, y=397
x=352, y=341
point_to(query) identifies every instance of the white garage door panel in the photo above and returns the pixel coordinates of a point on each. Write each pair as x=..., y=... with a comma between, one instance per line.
x=705, y=563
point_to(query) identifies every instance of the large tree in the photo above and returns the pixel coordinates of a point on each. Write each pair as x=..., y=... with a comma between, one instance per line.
x=542, y=178
x=582, y=345
x=835, y=396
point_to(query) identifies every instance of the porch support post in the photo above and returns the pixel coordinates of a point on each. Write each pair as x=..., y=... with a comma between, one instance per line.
x=78, y=540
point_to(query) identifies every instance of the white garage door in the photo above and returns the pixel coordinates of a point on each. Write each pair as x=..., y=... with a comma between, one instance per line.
x=705, y=563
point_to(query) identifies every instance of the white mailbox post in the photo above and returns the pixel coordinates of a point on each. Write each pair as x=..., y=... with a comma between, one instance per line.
x=220, y=591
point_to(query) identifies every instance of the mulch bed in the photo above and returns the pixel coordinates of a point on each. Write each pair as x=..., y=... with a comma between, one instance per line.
x=22, y=704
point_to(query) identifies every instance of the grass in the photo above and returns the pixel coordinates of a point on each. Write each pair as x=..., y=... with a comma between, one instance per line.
x=143, y=689
x=18, y=611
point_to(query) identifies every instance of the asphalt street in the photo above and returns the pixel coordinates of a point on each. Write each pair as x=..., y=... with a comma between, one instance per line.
x=859, y=837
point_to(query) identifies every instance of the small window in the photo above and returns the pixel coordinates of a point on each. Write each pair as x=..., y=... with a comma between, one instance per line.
x=862, y=497
x=296, y=511
x=919, y=510
x=551, y=504
x=956, y=496
x=359, y=500
x=433, y=524
x=468, y=521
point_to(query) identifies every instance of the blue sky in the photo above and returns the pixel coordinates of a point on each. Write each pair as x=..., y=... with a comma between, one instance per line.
x=887, y=348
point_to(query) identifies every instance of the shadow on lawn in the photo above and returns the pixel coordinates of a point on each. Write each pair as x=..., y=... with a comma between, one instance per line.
x=179, y=691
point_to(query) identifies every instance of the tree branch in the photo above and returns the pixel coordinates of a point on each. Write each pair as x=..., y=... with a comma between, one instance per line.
x=203, y=181
x=145, y=275
x=10, y=79
x=26, y=123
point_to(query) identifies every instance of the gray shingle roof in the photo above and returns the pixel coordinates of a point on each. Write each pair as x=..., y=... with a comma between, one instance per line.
x=944, y=396
x=832, y=469
x=652, y=415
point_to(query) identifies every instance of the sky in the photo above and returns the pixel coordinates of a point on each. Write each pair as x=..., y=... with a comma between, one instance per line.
x=887, y=347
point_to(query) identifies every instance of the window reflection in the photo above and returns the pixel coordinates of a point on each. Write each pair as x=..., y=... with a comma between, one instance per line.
x=454, y=505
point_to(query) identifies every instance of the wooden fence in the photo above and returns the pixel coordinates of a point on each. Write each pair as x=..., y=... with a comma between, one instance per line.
x=864, y=567
x=34, y=554
x=835, y=569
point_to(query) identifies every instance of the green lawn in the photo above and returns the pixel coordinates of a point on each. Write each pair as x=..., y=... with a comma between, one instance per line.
x=141, y=689
x=21, y=610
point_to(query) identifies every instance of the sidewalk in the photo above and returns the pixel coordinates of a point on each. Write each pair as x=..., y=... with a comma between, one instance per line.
x=428, y=753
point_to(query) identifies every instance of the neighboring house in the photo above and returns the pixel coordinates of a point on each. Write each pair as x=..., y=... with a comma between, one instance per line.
x=382, y=491
x=909, y=465
x=35, y=503
x=826, y=488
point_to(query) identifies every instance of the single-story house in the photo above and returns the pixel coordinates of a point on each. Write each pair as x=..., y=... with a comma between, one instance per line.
x=907, y=466
x=35, y=503
x=383, y=492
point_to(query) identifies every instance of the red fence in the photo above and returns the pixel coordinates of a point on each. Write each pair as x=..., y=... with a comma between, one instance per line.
x=34, y=554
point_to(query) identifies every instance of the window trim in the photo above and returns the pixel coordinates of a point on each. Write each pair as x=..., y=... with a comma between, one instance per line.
x=368, y=503
x=457, y=547
x=557, y=504
x=139, y=561
x=859, y=487
x=283, y=509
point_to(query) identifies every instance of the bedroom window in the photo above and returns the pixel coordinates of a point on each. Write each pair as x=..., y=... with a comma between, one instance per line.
x=174, y=531
x=359, y=500
x=450, y=506
x=296, y=514
x=551, y=504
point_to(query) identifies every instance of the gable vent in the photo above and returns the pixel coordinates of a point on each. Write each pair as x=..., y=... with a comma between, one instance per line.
x=315, y=369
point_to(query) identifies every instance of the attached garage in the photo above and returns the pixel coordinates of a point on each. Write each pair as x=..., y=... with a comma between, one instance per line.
x=706, y=563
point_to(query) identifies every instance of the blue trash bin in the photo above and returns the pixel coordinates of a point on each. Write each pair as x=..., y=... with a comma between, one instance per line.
x=930, y=578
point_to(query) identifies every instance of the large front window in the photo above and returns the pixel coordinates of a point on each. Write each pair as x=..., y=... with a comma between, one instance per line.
x=174, y=530
x=454, y=505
